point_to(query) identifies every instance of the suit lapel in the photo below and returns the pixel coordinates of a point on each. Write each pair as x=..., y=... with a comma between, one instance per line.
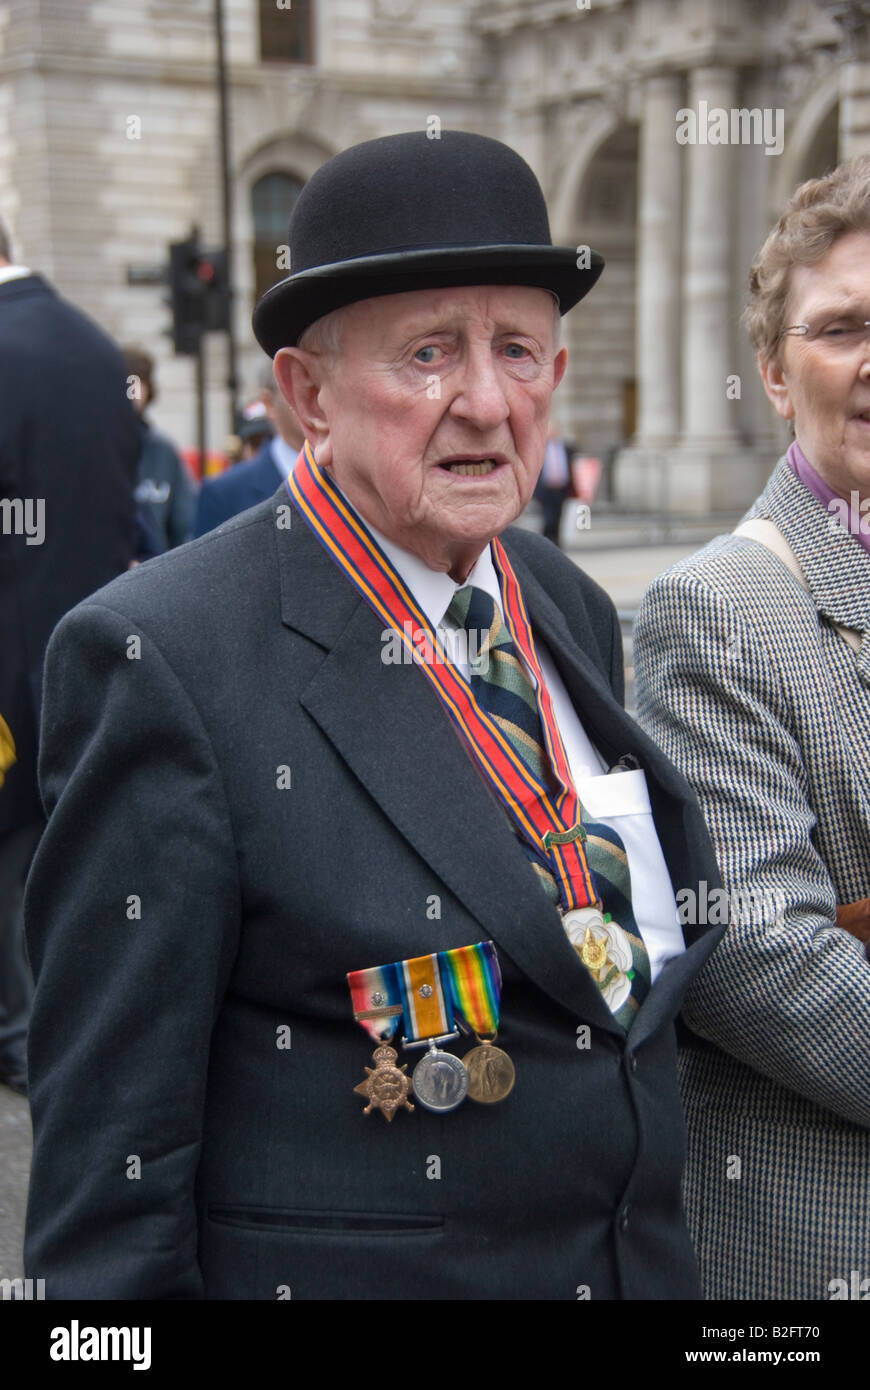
x=835, y=565
x=390, y=728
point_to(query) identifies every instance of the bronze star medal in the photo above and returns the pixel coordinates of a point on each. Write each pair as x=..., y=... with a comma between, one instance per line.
x=386, y=1087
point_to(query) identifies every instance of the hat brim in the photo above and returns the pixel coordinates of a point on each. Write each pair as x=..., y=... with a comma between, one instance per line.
x=288, y=308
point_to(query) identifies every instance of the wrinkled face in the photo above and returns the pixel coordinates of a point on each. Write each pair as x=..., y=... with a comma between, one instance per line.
x=433, y=415
x=822, y=387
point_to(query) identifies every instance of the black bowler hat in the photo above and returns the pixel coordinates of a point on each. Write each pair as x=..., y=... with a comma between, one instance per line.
x=411, y=213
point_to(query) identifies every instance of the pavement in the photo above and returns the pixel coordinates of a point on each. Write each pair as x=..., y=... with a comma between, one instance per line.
x=623, y=554
x=625, y=575
x=15, y=1147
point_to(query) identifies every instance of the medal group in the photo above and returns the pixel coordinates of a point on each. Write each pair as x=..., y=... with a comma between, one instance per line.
x=434, y=997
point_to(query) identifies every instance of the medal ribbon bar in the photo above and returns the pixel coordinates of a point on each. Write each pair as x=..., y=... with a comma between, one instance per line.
x=473, y=977
x=377, y=1000
x=427, y=992
x=428, y=1011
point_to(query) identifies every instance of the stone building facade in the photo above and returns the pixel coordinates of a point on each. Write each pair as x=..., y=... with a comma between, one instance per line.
x=109, y=151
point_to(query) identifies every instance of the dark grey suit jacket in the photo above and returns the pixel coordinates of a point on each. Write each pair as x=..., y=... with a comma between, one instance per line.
x=156, y=1037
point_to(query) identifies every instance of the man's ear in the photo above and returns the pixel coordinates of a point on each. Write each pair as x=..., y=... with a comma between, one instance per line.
x=560, y=361
x=299, y=375
x=776, y=386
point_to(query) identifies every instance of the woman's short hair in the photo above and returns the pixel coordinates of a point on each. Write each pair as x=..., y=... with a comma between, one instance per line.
x=816, y=215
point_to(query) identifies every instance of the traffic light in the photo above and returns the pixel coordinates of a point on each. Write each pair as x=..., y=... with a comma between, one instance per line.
x=199, y=293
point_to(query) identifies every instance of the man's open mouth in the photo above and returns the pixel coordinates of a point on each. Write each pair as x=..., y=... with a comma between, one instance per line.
x=471, y=468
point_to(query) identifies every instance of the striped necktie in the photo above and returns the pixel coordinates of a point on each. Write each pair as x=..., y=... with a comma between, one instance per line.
x=615, y=955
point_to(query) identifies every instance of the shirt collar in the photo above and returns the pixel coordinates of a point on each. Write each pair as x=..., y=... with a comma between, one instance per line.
x=13, y=272
x=809, y=476
x=284, y=456
x=434, y=590
x=824, y=493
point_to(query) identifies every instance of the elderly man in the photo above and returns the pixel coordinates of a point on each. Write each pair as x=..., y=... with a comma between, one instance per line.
x=315, y=784
x=753, y=674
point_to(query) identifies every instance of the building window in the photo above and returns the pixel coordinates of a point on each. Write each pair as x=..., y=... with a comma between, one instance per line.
x=272, y=199
x=286, y=31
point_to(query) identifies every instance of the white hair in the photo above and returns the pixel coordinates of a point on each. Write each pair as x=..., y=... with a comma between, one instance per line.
x=557, y=324
x=323, y=335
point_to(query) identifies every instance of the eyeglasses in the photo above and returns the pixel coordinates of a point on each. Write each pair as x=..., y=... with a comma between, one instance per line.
x=834, y=335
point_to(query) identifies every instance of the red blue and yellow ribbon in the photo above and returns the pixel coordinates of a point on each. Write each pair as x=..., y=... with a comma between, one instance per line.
x=549, y=823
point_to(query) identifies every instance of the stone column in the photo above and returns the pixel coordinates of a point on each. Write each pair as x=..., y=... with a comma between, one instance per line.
x=710, y=471
x=707, y=301
x=853, y=17
x=855, y=108
x=640, y=481
x=658, y=265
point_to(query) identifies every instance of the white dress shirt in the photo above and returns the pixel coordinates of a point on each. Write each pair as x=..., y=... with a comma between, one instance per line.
x=620, y=800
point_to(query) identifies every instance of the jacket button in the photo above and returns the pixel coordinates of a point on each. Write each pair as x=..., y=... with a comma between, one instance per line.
x=632, y=1062
x=623, y=1218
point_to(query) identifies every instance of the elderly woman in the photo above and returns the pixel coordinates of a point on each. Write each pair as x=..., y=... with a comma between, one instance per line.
x=753, y=667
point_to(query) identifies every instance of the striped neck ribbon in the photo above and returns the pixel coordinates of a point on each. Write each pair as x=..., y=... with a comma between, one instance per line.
x=550, y=822
x=429, y=993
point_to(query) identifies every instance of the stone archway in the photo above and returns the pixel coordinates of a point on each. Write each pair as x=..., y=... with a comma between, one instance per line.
x=289, y=153
x=812, y=143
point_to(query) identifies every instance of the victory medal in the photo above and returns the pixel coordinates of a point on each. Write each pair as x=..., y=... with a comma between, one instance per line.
x=491, y=1073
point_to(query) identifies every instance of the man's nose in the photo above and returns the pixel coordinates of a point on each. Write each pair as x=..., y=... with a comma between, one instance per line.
x=481, y=399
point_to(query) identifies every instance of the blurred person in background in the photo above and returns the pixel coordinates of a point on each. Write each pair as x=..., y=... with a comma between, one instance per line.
x=164, y=490
x=753, y=674
x=246, y=484
x=68, y=450
x=255, y=430
x=554, y=485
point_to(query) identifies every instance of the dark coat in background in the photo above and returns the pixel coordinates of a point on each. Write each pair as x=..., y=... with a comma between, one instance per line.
x=235, y=490
x=164, y=490
x=244, y=810
x=68, y=436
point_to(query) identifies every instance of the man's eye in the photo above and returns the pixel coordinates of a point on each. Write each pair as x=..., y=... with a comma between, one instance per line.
x=430, y=348
x=516, y=350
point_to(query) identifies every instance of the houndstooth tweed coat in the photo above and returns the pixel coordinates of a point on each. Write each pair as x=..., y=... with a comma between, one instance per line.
x=746, y=682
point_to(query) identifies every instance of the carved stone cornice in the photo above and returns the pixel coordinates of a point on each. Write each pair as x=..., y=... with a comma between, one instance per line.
x=853, y=19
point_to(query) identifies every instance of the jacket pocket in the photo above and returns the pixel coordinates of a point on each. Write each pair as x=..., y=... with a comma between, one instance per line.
x=323, y=1222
